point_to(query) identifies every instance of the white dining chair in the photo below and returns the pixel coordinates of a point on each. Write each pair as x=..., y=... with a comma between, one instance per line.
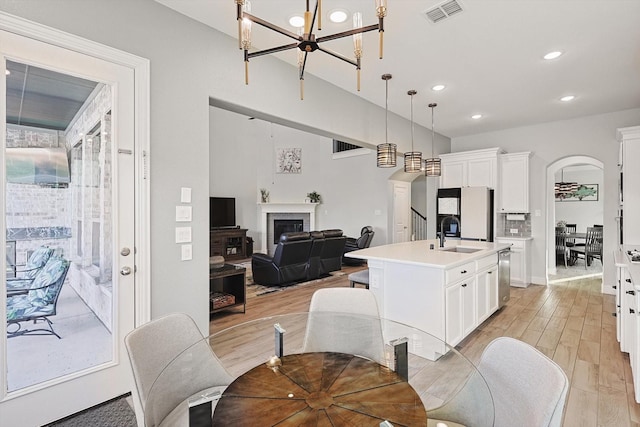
x=171, y=361
x=345, y=320
x=527, y=387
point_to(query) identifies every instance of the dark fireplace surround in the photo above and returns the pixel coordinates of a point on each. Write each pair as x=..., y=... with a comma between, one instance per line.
x=286, y=226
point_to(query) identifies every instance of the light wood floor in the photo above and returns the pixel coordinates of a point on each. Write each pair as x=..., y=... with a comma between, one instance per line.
x=570, y=322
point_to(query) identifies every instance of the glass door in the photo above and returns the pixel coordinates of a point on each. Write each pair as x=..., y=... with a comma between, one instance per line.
x=69, y=210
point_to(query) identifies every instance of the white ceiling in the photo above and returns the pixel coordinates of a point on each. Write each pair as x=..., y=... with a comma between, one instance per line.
x=489, y=56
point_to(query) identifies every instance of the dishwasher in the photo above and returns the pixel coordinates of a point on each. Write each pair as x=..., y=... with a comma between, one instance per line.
x=504, y=277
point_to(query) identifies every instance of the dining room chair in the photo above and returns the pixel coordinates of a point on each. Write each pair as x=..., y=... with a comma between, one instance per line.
x=571, y=228
x=171, y=361
x=592, y=248
x=345, y=320
x=561, y=247
x=527, y=387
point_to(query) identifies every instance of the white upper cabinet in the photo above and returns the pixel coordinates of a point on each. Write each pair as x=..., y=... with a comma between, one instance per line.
x=514, y=183
x=477, y=168
x=630, y=175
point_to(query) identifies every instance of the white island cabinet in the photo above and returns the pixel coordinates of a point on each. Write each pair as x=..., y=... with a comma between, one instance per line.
x=441, y=291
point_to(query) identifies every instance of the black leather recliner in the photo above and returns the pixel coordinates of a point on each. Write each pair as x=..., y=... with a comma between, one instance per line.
x=313, y=268
x=288, y=264
x=332, y=250
x=362, y=242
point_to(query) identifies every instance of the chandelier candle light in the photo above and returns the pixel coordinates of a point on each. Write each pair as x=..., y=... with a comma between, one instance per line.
x=386, y=153
x=307, y=41
x=412, y=159
x=432, y=166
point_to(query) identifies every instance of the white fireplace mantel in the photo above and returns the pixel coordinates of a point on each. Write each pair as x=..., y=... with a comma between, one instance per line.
x=264, y=209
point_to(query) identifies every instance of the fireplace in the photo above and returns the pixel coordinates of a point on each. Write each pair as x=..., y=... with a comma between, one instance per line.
x=286, y=226
x=269, y=212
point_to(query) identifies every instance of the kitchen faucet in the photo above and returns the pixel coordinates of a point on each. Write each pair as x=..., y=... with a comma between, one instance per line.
x=442, y=233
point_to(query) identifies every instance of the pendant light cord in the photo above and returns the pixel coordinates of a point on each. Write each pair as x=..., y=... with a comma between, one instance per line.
x=386, y=110
x=433, y=132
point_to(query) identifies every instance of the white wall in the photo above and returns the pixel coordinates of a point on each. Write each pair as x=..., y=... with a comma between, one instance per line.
x=582, y=213
x=242, y=161
x=593, y=136
x=191, y=64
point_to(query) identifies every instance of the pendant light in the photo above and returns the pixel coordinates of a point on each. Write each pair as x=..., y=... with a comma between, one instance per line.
x=387, y=151
x=412, y=159
x=563, y=189
x=432, y=166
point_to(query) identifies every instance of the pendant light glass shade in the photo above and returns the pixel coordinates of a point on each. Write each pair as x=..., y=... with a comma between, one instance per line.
x=412, y=159
x=387, y=155
x=432, y=166
x=387, y=152
x=563, y=189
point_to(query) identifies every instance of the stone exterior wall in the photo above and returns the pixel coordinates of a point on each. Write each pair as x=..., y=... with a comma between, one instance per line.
x=36, y=215
x=76, y=221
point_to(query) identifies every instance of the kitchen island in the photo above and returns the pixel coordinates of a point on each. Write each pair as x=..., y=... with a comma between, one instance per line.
x=446, y=292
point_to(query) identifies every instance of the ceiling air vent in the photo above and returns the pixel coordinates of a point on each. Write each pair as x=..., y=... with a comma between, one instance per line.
x=443, y=10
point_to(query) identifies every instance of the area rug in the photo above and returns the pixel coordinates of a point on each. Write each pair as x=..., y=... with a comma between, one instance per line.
x=114, y=413
x=254, y=289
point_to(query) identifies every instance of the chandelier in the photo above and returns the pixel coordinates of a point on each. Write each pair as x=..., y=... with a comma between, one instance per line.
x=563, y=189
x=307, y=41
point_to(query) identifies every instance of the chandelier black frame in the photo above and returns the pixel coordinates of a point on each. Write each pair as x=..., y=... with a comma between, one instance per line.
x=306, y=42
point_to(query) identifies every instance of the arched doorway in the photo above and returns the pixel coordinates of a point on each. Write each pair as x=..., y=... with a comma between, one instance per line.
x=575, y=164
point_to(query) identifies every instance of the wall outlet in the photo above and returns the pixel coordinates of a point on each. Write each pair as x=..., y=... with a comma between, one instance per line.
x=513, y=231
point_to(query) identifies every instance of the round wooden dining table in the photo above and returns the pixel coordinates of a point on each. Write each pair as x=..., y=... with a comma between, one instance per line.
x=320, y=389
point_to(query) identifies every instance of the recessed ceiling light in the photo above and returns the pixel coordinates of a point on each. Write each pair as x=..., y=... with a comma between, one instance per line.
x=338, y=15
x=552, y=55
x=567, y=98
x=438, y=87
x=476, y=116
x=296, y=21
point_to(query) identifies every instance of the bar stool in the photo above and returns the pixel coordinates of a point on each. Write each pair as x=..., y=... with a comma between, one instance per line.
x=361, y=277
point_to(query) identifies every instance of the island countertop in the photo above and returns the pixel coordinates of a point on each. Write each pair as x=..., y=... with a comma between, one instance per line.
x=419, y=253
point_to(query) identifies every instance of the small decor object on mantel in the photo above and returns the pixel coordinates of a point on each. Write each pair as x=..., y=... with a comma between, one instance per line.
x=314, y=197
x=264, y=195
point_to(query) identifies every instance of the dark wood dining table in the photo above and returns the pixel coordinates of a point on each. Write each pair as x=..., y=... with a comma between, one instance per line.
x=324, y=389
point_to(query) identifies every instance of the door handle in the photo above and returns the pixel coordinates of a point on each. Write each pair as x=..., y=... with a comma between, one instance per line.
x=125, y=271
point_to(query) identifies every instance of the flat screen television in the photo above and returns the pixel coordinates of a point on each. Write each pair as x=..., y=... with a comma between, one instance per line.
x=222, y=212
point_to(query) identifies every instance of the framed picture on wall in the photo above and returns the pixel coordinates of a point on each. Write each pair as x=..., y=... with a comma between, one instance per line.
x=289, y=160
x=584, y=193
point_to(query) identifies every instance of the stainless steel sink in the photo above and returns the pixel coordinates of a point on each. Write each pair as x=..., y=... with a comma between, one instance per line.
x=461, y=249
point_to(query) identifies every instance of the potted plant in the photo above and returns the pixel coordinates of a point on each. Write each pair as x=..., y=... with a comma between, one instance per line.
x=314, y=197
x=264, y=195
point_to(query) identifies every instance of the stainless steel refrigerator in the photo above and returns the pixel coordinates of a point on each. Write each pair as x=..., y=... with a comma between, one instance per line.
x=476, y=213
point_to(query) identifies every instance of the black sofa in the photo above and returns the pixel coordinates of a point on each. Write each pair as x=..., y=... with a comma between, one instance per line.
x=299, y=257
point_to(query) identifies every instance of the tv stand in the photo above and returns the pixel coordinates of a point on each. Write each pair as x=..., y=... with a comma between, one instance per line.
x=230, y=243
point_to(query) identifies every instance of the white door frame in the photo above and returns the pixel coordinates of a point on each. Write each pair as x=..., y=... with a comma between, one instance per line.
x=141, y=71
x=552, y=169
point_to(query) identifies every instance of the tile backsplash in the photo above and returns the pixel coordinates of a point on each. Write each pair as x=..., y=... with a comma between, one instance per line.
x=507, y=224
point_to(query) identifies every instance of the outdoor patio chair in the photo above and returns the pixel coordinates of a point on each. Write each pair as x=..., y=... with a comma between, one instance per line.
x=36, y=261
x=38, y=300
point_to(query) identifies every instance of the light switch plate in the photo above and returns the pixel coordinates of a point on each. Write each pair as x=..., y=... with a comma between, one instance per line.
x=186, y=252
x=183, y=234
x=185, y=195
x=183, y=213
